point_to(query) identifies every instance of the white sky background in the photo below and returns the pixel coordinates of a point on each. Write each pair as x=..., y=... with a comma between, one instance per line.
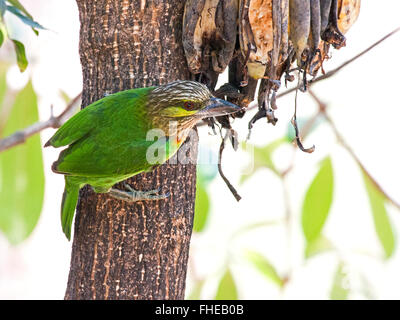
x=363, y=101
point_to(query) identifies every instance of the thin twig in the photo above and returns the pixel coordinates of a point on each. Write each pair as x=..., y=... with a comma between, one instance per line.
x=296, y=128
x=53, y=122
x=339, y=137
x=230, y=186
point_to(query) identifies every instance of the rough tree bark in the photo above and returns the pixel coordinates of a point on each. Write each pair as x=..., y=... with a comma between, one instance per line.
x=140, y=250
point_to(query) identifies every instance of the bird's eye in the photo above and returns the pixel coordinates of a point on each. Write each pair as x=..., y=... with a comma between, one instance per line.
x=189, y=105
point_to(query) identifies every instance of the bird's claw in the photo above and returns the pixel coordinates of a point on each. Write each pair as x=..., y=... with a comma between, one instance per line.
x=128, y=187
x=133, y=195
x=148, y=195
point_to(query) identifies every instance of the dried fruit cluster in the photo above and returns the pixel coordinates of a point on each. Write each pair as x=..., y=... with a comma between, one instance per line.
x=262, y=39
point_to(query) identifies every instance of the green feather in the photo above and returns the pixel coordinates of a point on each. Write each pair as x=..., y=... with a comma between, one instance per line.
x=68, y=204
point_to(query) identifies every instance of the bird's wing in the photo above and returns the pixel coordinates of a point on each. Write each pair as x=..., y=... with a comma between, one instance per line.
x=94, y=115
x=76, y=127
x=111, y=137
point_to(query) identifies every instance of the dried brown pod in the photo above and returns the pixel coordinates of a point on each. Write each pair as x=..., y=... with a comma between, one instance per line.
x=332, y=34
x=263, y=36
x=315, y=24
x=348, y=11
x=325, y=8
x=209, y=34
x=238, y=75
x=265, y=47
x=299, y=30
x=282, y=47
x=226, y=21
x=317, y=62
x=256, y=35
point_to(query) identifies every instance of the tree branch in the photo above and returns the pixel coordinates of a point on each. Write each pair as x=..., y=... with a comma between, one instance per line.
x=53, y=122
x=343, y=143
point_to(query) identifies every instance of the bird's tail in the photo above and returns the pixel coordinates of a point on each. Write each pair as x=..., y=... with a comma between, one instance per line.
x=68, y=204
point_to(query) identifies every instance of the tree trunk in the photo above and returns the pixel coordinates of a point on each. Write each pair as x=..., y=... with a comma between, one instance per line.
x=139, y=250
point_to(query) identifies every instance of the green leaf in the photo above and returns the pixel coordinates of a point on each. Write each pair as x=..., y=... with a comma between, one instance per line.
x=317, y=201
x=265, y=267
x=227, y=288
x=25, y=19
x=380, y=216
x=262, y=158
x=202, y=204
x=317, y=246
x=21, y=172
x=19, y=6
x=196, y=291
x=340, y=288
x=21, y=57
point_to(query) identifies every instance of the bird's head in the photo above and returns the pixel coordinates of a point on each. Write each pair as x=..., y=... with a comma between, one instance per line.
x=185, y=102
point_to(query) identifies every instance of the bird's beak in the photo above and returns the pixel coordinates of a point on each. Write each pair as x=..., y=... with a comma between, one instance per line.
x=218, y=107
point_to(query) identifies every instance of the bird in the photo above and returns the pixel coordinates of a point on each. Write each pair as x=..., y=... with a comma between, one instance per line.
x=127, y=133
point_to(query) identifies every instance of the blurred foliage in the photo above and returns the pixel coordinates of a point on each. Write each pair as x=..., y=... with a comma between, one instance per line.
x=317, y=246
x=318, y=201
x=21, y=167
x=227, y=288
x=206, y=172
x=202, y=204
x=315, y=210
x=15, y=8
x=340, y=287
x=382, y=223
x=265, y=267
x=195, y=294
x=262, y=158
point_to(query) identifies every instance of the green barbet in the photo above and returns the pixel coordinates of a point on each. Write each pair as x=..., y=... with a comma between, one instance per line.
x=110, y=141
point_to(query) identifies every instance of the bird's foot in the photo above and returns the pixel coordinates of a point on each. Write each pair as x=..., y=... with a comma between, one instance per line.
x=133, y=195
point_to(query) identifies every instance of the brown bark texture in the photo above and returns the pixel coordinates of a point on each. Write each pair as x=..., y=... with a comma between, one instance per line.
x=138, y=250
